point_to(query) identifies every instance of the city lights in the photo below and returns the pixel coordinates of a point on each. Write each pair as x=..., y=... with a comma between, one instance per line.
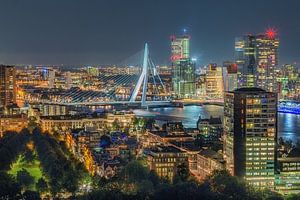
x=208, y=108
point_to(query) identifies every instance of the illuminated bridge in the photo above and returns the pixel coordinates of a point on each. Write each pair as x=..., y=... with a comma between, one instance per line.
x=292, y=107
x=144, y=88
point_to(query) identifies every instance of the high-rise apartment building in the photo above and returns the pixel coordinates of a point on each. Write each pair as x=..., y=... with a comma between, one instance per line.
x=214, y=82
x=257, y=59
x=51, y=78
x=7, y=85
x=183, y=69
x=250, y=135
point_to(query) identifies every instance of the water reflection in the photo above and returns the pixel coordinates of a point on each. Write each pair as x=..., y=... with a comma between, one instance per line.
x=288, y=124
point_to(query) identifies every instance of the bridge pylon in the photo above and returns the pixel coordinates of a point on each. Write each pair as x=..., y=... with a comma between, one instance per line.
x=143, y=79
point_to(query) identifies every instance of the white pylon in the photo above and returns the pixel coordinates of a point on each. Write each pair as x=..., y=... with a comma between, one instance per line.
x=142, y=80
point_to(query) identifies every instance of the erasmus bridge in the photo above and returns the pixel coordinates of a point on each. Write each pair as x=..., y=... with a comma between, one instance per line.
x=140, y=94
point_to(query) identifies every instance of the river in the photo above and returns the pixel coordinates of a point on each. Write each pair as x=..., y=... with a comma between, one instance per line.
x=288, y=124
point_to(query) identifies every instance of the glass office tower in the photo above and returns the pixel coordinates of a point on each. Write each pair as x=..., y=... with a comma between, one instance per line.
x=183, y=69
x=257, y=59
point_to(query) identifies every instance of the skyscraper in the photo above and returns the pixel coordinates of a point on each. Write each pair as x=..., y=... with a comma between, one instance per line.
x=257, y=59
x=250, y=135
x=245, y=58
x=7, y=85
x=183, y=69
x=267, y=60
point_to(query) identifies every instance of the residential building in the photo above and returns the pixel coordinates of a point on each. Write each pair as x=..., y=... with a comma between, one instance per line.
x=7, y=85
x=210, y=129
x=165, y=161
x=250, y=135
x=214, y=82
x=12, y=123
x=288, y=179
x=208, y=161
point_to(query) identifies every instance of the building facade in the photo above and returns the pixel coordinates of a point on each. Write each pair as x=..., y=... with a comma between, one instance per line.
x=250, y=135
x=214, y=82
x=7, y=85
x=208, y=161
x=230, y=76
x=183, y=69
x=165, y=161
x=257, y=60
x=12, y=123
x=288, y=179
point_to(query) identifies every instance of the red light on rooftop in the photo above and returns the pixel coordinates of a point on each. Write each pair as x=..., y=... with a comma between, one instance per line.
x=271, y=33
x=175, y=57
x=172, y=37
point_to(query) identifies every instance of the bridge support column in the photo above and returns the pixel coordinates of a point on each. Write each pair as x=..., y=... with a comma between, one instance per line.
x=142, y=80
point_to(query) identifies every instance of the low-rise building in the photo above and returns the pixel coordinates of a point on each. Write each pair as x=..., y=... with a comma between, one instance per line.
x=191, y=150
x=288, y=179
x=210, y=129
x=12, y=123
x=165, y=160
x=68, y=122
x=164, y=137
x=208, y=161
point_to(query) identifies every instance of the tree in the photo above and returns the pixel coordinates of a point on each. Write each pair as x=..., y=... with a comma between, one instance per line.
x=24, y=178
x=115, y=125
x=145, y=187
x=28, y=156
x=8, y=186
x=32, y=195
x=293, y=197
x=32, y=123
x=225, y=186
x=183, y=171
x=41, y=185
x=153, y=177
x=135, y=172
x=71, y=181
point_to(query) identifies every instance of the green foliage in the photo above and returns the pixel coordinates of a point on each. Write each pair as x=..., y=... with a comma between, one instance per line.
x=221, y=185
x=182, y=172
x=153, y=177
x=32, y=195
x=135, y=172
x=32, y=123
x=11, y=145
x=29, y=156
x=115, y=125
x=41, y=185
x=24, y=178
x=9, y=188
x=293, y=197
x=61, y=168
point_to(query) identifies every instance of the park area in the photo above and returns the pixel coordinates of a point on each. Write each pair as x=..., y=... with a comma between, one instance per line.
x=32, y=166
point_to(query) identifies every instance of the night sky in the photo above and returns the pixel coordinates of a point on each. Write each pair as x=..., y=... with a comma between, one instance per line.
x=109, y=31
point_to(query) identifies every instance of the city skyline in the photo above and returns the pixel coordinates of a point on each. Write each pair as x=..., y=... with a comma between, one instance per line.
x=78, y=33
x=136, y=99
